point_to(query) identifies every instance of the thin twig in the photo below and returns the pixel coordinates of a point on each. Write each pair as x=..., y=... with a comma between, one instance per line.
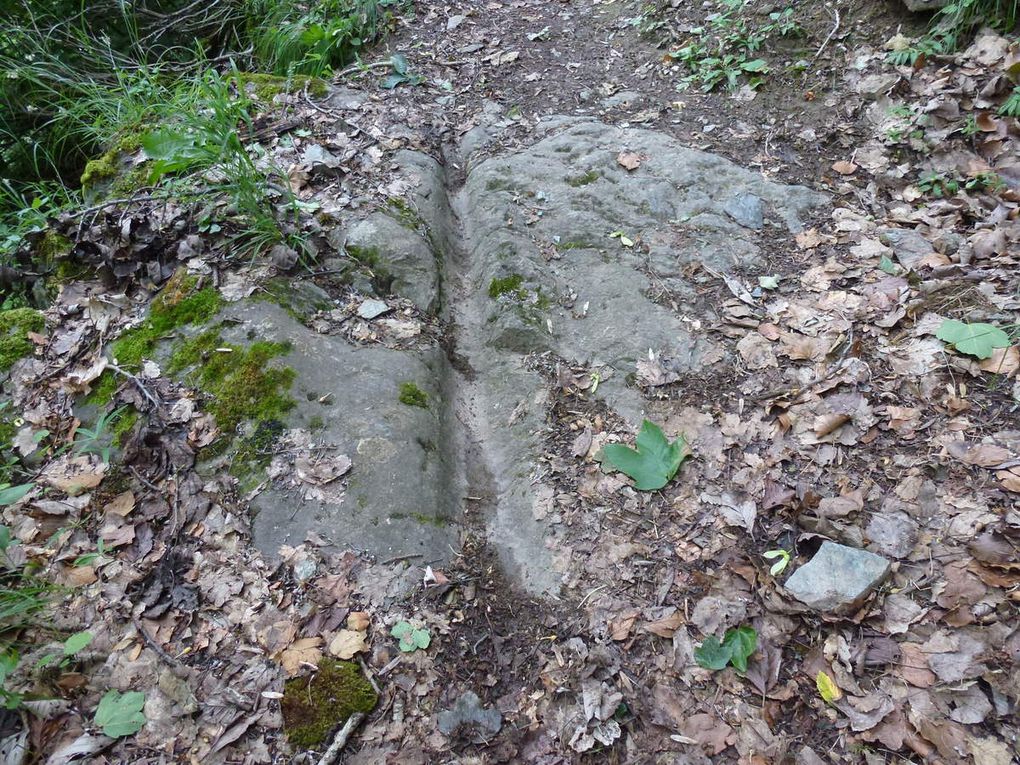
x=138, y=383
x=340, y=739
x=401, y=558
x=835, y=28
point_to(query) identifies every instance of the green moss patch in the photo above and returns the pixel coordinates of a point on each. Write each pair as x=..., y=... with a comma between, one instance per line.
x=239, y=381
x=508, y=286
x=583, y=180
x=314, y=706
x=14, y=328
x=412, y=395
x=177, y=305
x=265, y=87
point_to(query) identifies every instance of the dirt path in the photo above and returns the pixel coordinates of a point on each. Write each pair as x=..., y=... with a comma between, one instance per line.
x=522, y=258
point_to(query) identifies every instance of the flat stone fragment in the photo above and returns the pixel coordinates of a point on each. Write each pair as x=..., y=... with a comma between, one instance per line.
x=838, y=578
x=909, y=247
x=925, y=5
x=370, y=309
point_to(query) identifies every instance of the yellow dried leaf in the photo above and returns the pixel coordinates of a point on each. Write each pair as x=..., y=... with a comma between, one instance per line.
x=827, y=688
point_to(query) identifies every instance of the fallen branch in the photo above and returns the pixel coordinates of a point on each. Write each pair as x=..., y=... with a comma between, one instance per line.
x=835, y=28
x=340, y=739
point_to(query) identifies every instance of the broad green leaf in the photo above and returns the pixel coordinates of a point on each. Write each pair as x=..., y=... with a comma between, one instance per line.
x=712, y=654
x=411, y=639
x=978, y=340
x=827, y=688
x=76, y=642
x=5, y=538
x=121, y=714
x=11, y=494
x=392, y=81
x=653, y=463
x=399, y=63
x=757, y=65
x=421, y=638
x=741, y=643
x=8, y=663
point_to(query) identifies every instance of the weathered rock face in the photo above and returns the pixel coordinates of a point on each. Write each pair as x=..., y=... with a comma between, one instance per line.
x=555, y=249
x=838, y=578
x=399, y=496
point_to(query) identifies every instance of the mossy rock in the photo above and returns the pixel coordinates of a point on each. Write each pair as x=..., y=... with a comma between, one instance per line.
x=180, y=303
x=265, y=87
x=508, y=286
x=111, y=172
x=412, y=395
x=14, y=328
x=314, y=706
x=239, y=381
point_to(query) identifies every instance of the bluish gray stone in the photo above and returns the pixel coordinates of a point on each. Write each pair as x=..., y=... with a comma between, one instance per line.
x=746, y=209
x=838, y=578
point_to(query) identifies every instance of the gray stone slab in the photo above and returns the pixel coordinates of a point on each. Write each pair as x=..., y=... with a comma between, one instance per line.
x=838, y=578
x=401, y=495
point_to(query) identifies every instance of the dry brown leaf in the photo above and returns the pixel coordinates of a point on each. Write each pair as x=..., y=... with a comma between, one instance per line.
x=302, y=652
x=826, y=424
x=1003, y=361
x=982, y=455
x=121, y=505
x=619, y=628
x=1009, y=479
x=843, y=167
x=914, y=666
x=358, y=620
x=347, y=643
x=808, y=240
x=664, y=627
x=629, y=160
x=711, y=733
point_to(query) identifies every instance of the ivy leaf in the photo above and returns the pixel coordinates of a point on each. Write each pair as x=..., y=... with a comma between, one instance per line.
x=741, y=642
x=120, y=714
x=411, y=639
x=827, y=688
x=978, y=340
x=712, y=654
x=653, y=463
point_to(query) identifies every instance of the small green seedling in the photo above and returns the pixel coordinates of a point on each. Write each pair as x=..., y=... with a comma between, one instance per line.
x=73, y=645
x=736, y=648
x=411, y=639
x=401, y=74
x=655, y=461
x=121, y=714
x=979, y=340
x=94, y=441
x=780, y=565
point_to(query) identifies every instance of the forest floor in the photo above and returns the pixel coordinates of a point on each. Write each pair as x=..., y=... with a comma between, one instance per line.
x=829, y=400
